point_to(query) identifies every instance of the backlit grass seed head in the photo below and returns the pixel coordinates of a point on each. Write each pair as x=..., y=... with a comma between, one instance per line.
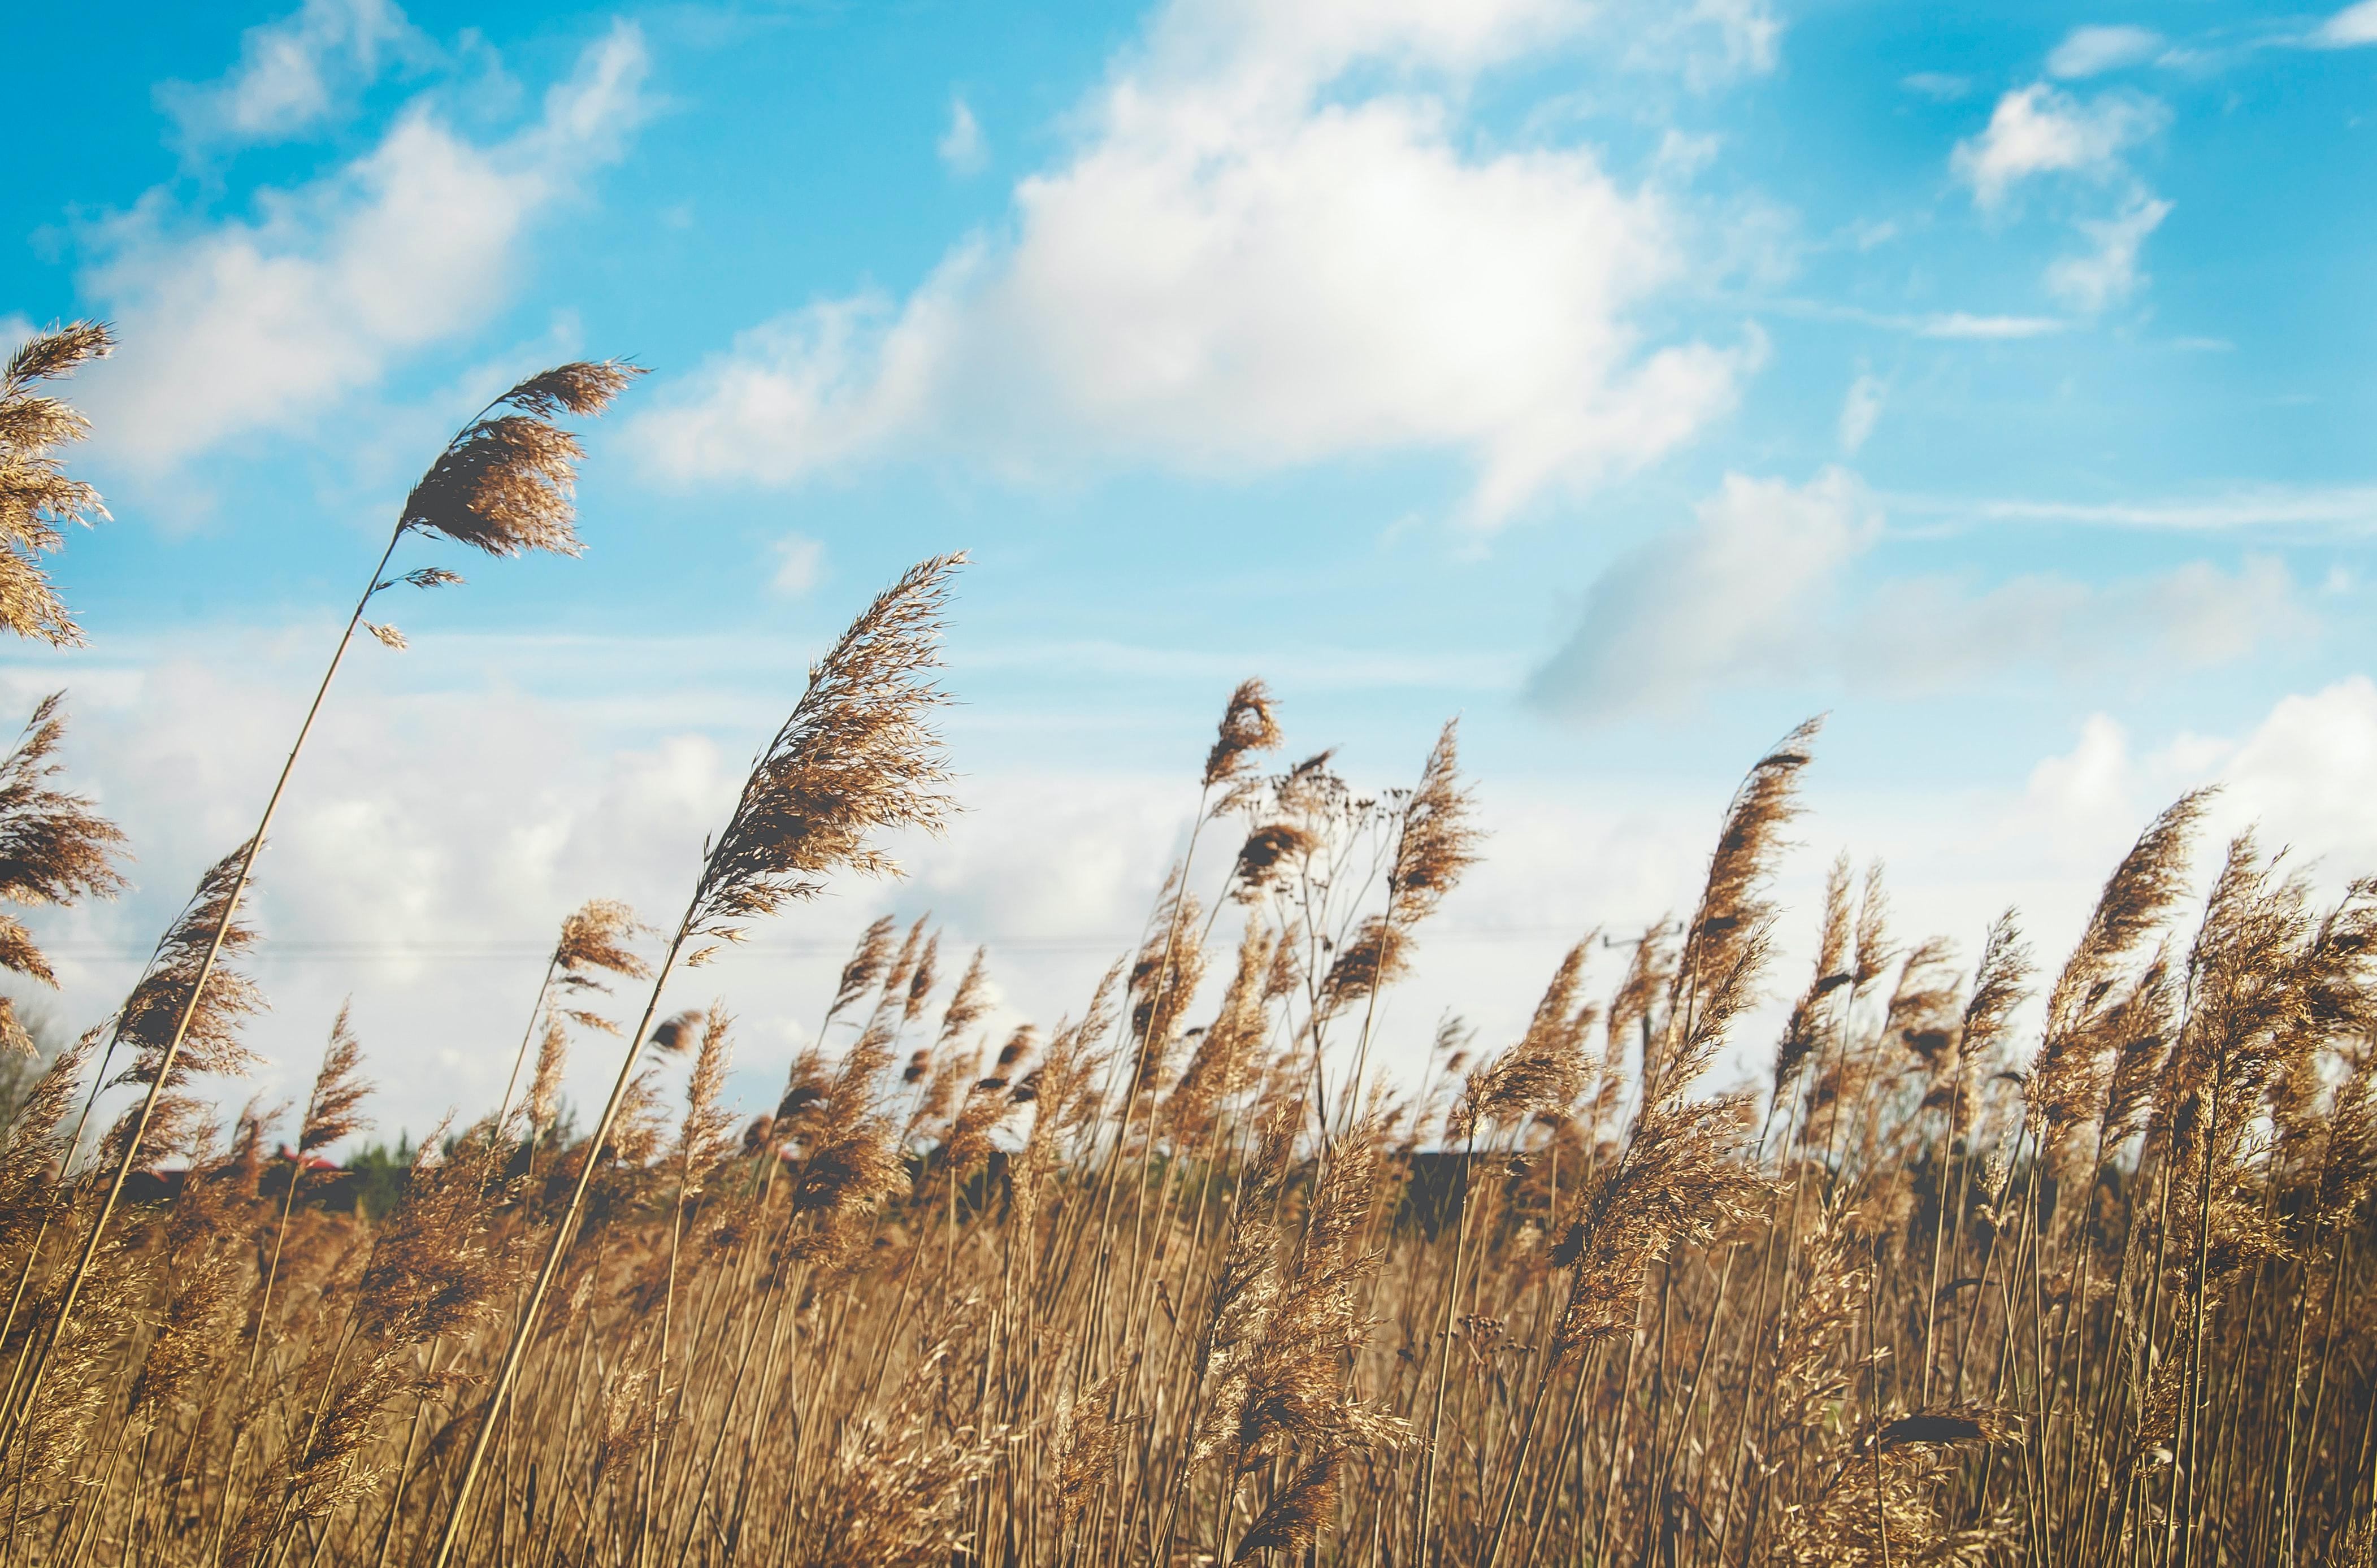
x=1725, y=943
x=1222, y=1063
x=922, y=979
x=705, y=1134
x=2069, y=1078
x=37, y=498
x=1437, y=839
x=504, y=483
x=545, y=1086
x=1548, y=1069
x=54, y=850
x=1648, y=973
x=1086, y=1444
x=866, y=964
x=33, y=1146
x=1803, y=1029
x=904, y=966
x=969, y=1002
x=1267, y=860
x=1297, y=1518
x=858, y=756
x=674, y=1035
x=1733, y=903
x=594, y=941
x=1164, y=980
x=212, y=1043
x=334, y=1109
x=1372, y=961
x=1249, y=727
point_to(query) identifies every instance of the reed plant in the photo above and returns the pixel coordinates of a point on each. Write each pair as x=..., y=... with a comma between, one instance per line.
x=1942, y=1258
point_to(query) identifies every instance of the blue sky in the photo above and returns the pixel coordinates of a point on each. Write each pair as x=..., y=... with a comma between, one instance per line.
x=1631, y=380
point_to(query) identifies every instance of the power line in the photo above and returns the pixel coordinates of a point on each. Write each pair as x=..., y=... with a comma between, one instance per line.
x=302, y=951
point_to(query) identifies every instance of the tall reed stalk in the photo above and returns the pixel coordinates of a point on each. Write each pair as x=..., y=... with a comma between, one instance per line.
x=502, y=485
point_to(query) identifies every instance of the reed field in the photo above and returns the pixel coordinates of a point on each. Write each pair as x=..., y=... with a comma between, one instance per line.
x=2007, y=1257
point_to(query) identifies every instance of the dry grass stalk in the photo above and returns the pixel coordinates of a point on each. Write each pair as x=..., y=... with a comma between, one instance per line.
x=55, y=848
x=37, y=499
x=856, y=758
x=955, y=1325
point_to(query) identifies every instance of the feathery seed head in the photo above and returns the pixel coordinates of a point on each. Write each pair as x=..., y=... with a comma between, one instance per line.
x=1248, y=727
x=857, y=758
x=504, y=483
x=37, y=499
x=334, y=1110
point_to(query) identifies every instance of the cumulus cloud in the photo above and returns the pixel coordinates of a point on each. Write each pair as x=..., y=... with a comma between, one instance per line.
x=1759, y=590
x=258, y=324
x=1734, y=593
x=2299, y=777
x=455, y=804
x=294, y=74
x=2093, y=51
x=2041, y=130
x=1250, y=265
x=2107, y=274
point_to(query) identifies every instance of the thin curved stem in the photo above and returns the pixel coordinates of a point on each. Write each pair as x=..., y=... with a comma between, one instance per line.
x=20, y=1411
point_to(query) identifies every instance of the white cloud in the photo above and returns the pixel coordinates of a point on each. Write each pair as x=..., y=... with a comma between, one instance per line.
x=1963, y=325
x=1244, y=268
x=261, y=323
x=962, y=146
x=2348, y=29
x=1757, y=591
x=2350, y=509
x=1916, y=635
x=294, y=74
x=2300, y=779
x=800, y=561
x=1731, y=595
x=2306, y=773
x=2041, y=130
x=1859, y=413
x=1746, y=34
x=448, y=816
x=2093, y=51
x=2108, y=274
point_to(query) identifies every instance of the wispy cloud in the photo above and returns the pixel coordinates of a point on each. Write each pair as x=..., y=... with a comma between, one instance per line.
x=1758, y=590
x=2040, y=132
x=2348, y=29
x=800, y=562
x=1244, y=268
x=294, y=74
x=2108, y=273
x=2343, y=508
x=1964, y=324
x=962, y=147
x=2093, y=51
x=261, y=323
x=1860, y=411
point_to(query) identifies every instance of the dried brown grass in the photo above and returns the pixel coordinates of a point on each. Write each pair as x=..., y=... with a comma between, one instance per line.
x=1185, y=1280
